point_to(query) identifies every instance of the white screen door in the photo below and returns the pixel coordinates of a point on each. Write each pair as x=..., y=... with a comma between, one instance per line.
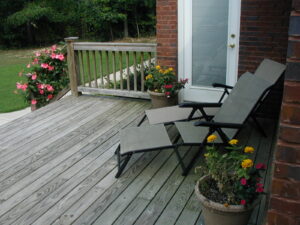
x=208, y=46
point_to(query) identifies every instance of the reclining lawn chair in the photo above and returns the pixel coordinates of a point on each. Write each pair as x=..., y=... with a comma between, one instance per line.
x=268, y=70
x=230, y=118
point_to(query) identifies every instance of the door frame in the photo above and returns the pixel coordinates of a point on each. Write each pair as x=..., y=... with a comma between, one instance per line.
x=185, y=51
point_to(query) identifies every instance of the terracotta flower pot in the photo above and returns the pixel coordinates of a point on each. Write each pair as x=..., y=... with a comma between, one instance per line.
x=217, y=214
x=159, y=100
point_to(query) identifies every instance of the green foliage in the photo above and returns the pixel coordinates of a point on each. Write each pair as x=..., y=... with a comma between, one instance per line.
x=163, y=81
x=39, y=22
x=233, y=172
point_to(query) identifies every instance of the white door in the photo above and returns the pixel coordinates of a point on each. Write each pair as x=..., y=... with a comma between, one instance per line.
x=208, y=46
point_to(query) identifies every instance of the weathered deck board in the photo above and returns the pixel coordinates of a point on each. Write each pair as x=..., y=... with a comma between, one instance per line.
x=57, y=166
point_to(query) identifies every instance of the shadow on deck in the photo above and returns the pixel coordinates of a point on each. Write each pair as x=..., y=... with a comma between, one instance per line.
x=57, y=166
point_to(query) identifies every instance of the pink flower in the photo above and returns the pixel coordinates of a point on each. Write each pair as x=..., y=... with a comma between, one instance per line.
x=35, y=61
x=49, y=97
x=168, y=94
x=24, y=87
x=243, y=181
x=53, y=56
x=50, y=88
x=18, y=85
x=50, y=68
x=259, y=185
x=167, y=86
x=37, y=54
x=41, y=86
x=44, y=65
x=259, y=189
x=243, y=202
x=42, y=92
x=28, y=65
x=60, y=57
x=260, y=166
x=53, y=47
x=33, y=102
x=34, y=76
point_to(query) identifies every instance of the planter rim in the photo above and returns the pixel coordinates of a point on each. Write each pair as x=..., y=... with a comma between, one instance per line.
x=155, y=93
x=160, y=93
x=218, y=206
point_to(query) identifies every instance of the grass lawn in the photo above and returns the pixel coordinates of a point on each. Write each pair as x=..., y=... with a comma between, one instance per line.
x=11, y=63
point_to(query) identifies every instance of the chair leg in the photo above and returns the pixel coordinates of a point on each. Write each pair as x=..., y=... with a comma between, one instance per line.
x=142, y=120
x=191, y=163
x=121, y=166
x=180, y=160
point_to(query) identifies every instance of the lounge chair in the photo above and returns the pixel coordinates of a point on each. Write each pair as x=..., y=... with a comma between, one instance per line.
x=268, y=70
x=233, y=113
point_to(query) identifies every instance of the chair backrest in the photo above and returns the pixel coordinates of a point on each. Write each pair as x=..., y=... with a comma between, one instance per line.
x=270, y=70
x=241, y=101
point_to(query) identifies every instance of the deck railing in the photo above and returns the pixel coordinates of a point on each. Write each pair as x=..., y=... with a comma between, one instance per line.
x=109, y=68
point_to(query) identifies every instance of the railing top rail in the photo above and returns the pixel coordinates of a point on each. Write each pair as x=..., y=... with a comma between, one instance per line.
x=104, y=46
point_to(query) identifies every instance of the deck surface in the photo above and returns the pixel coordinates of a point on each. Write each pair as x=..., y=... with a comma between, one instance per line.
x=57, y=166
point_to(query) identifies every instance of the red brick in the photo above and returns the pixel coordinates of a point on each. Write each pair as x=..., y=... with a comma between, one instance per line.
x=286, y=189
x=267, y=22
x=277, y=218
x=289, y=133
x=290, y=207
x=287, y=171
x=289, y=153
x=291, y=92
x=167, y=33
x=290, y=113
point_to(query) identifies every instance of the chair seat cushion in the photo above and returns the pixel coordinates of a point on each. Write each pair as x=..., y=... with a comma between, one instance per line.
x=174, y=113
x=191, y=134
x=135, y=139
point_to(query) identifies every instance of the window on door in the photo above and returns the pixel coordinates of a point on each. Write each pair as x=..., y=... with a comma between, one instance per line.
x=209, y=41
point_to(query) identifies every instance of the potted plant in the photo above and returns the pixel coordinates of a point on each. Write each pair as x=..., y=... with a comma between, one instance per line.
x=46, y=76
x=163, y=86
x=231, y=186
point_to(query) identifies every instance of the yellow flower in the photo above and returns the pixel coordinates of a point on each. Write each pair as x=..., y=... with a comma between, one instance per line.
x=233, y=141
x=248, y=149
x=149, y=76
x=161, y=71
x=206, y=154
x=156, y=90
x=166, y=71
x=170, y=69
x=211, y=138
x=158, y=67
x=247, y=163
x=226, y=205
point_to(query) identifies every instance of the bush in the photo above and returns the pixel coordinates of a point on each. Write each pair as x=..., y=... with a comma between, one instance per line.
x=46, y=76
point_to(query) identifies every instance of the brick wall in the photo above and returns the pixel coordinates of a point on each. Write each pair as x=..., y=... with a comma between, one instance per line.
x=263, y=32
x=284, y=205
x=166, y=32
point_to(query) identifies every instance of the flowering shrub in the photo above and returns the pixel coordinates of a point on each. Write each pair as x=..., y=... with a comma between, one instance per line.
x=163, y=81
x=46, y=76
x=232, y=174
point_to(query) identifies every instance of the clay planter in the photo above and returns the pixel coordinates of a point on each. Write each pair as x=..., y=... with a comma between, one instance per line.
x=159, y=100
x=217, y=214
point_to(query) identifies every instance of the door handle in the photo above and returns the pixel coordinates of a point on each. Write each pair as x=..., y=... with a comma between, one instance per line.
x=231, y=45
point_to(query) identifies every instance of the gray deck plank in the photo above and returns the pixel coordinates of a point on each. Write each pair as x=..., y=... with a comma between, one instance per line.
x=103, y=144
x=42, y=176
x=56, y=170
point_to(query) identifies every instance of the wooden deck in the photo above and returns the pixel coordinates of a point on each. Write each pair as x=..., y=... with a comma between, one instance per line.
x=57, y=166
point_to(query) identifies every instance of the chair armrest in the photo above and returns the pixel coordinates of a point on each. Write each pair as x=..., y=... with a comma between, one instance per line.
x=215, y=85
x=199, y=104
x=213, y=124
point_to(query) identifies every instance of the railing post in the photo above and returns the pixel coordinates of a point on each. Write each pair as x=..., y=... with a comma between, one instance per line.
x=72, y=65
